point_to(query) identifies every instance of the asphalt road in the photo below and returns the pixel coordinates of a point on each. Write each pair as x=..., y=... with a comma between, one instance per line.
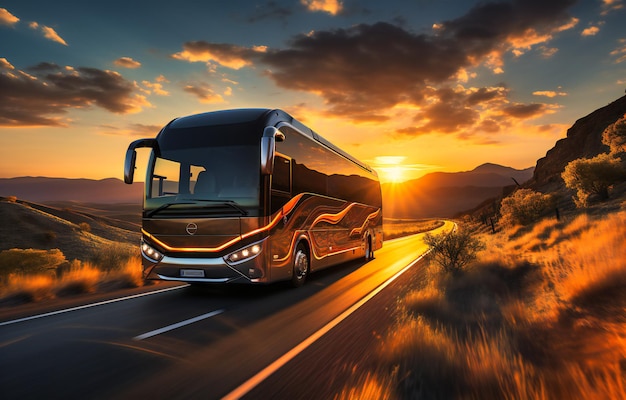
x=181, y=342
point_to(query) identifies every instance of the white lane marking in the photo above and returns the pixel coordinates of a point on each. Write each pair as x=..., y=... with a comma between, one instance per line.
x=15, y=321
x=177, y=325
x=251, y=383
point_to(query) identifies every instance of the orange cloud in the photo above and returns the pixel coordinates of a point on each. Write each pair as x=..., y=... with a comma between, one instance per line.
x=51, y=34
x=156, y=88
x=549, y=93
x=6, y=18
x=48, y=32
x=227, y=55
x=620, y=52
x=332, y=7
x=591, y=31
x=127, y=62
x=5, y=64
x=611, y=5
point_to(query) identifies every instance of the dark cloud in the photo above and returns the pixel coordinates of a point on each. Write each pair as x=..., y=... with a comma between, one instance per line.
x=203, y=91
x=44, y=67
x=42, y=98
x=363, y=71
x=368, y=68
x=524, y=110
x=445, y=117
x=483, y=95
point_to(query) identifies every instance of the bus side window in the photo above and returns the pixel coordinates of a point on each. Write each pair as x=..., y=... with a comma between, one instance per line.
x=281, y=178
x=281, y=182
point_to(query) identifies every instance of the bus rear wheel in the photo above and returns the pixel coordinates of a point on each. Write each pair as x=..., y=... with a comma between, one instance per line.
x=300, y=266
x=369, y=250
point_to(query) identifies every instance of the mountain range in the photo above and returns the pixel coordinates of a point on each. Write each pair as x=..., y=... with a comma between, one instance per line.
x=42, y=190
x=444, y=194
x=440, y=194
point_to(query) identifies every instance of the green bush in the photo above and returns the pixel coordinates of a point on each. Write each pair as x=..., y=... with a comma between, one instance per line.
x=614, y=136
x=453, y=251
x=593, y=176
x=113, y=256
x=524, y=207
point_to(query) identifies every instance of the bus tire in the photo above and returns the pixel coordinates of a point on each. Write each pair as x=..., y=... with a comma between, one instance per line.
x=301, y=265
x=369, y=250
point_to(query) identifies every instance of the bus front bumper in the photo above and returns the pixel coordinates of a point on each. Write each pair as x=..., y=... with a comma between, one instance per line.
x=204, y=270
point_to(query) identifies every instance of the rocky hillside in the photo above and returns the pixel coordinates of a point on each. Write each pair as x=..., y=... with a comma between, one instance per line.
x=584, y=139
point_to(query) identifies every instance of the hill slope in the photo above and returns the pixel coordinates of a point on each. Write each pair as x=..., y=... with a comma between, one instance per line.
x=78, y=235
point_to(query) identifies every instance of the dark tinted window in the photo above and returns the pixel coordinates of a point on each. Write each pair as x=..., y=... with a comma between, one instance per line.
x=281, y=179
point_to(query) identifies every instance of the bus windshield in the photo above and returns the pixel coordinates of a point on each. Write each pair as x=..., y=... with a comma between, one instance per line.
x=204, y=180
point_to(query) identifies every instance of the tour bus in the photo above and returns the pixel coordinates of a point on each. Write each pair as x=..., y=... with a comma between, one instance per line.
x=252, y=196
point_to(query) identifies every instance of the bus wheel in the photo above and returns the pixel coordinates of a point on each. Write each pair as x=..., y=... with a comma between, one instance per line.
x=369, y=253
x=300, y=266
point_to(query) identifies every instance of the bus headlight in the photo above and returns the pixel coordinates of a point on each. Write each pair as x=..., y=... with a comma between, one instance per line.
x=244, y=254
x=150, y=252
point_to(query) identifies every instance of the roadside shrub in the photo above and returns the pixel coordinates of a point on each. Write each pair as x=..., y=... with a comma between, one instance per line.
x=85, y=227
x=614, y=136
x=113, y=257
x=524, y=207
x=20, y=289
x=593, y=176
x=81, y=278
x=453, y=251
x=30, y=261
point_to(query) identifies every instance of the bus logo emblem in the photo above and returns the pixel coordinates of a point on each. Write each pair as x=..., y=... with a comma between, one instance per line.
x=191, y=228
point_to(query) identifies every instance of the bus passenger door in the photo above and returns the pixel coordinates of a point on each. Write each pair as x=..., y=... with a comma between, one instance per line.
x=281, y=182
x=281, y=237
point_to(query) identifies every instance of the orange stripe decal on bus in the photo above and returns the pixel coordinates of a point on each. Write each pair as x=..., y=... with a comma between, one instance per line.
x=287, y=208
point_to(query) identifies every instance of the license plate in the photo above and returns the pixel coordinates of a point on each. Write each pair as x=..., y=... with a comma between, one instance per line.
x=192, y=273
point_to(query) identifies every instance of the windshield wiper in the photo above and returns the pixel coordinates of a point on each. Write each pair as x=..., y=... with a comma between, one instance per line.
x=230, y=203
x=163, y=207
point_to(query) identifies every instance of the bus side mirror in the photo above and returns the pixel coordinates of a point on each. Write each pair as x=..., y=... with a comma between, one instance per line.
x=131, y=157
x=270, y=136
x=129, y=166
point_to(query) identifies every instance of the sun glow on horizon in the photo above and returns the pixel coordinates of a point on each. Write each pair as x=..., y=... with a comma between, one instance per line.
x=391, y=169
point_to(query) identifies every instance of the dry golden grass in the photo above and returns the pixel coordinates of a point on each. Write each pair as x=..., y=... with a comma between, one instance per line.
x=115, y=268
x=542, y=315
x=368, y=387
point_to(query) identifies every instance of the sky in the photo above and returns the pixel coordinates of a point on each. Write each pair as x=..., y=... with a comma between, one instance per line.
x=409, y=87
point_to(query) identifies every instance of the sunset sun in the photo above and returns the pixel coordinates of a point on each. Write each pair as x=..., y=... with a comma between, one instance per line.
x=391, y=169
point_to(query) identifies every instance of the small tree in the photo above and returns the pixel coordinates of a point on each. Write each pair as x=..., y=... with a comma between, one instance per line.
x=593, y=176
x=453, y=251
x=525, y=206
x=614, y=136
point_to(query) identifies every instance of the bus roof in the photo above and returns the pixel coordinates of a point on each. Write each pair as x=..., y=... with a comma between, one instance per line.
x=264, y=117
